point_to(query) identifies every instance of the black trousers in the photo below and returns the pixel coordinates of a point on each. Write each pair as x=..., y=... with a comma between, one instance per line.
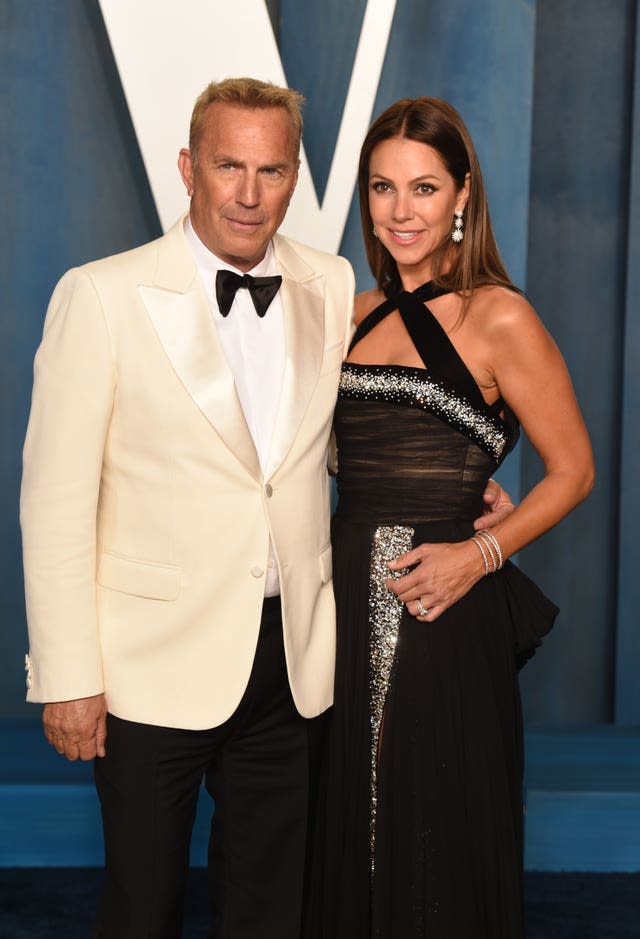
x=259, y=767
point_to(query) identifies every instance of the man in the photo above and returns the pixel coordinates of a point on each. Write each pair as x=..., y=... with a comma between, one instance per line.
x=175, y=512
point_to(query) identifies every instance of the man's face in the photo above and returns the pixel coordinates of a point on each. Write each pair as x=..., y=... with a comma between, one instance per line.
x=240, y=180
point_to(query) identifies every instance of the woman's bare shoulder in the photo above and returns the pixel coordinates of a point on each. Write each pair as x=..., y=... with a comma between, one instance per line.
x=496, y=308
x=366, y=302
x=509, y=327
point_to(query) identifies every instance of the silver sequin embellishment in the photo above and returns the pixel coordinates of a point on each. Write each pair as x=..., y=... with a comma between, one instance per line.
x=385, y=612
x=403, y=386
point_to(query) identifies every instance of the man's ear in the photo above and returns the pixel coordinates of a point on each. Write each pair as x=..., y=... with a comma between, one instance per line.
x=185, y=165
x=295, y=179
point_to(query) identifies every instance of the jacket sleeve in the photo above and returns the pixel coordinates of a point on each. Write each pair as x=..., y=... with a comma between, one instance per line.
x=73, y=394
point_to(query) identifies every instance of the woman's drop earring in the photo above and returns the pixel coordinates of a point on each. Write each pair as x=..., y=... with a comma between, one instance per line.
x=457, y=234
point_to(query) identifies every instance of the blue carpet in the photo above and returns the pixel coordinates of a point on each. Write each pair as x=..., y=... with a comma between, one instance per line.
x=582, y=802
x=50, y=903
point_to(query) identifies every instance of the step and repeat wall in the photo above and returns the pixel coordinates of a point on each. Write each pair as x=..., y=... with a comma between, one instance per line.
x=96, y=98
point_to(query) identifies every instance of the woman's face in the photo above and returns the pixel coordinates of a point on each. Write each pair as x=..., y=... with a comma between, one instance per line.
x=412, y=200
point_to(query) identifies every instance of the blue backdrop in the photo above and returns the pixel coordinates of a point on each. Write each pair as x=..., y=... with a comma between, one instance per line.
x=550, y=92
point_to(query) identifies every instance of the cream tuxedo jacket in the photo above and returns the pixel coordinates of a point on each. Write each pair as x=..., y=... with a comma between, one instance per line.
x=145, y=516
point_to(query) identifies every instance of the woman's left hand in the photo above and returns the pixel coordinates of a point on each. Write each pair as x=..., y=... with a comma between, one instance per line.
x=442, y=573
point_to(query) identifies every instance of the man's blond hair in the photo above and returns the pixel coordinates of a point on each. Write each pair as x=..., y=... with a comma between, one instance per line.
x=246, y=93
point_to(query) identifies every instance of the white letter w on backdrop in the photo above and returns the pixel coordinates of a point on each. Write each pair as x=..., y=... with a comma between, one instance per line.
x=166, y=52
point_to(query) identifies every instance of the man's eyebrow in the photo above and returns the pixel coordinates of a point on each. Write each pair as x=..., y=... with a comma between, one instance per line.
x=279, y=165
x=225, y=158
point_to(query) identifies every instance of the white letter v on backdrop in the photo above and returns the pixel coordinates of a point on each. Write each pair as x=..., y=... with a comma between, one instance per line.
x=167, y=52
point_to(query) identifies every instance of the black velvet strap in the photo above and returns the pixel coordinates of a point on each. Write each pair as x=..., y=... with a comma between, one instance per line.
x=431, y=341
x=435, y=348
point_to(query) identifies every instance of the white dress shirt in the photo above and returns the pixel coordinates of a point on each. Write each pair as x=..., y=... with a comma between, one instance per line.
x=254, y=347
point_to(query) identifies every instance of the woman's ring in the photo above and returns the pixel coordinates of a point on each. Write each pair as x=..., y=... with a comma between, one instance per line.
x=421, y=610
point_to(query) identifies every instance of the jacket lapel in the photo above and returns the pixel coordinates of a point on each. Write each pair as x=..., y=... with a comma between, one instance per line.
x=302, y=295
x=178, y=309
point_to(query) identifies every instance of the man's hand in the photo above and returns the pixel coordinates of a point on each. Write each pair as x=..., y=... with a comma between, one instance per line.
x=497, y=506
x=77, y=729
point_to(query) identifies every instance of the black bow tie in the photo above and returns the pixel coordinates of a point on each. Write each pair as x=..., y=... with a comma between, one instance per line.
x=262, y=290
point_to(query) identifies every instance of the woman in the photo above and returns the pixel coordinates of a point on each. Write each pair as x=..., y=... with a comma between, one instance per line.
x=422, y=833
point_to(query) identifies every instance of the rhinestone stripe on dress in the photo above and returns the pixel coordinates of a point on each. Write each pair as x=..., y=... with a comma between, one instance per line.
x=385, y=612
x=404, y=385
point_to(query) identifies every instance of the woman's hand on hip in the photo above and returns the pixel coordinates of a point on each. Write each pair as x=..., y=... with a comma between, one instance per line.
x=441, y=574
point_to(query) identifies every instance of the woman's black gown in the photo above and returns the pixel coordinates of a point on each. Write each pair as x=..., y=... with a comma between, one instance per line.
x=420, y=831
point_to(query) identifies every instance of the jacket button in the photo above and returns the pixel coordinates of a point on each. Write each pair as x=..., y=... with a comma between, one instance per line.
x=29, y=670
x=269, y=490
x=257, y=571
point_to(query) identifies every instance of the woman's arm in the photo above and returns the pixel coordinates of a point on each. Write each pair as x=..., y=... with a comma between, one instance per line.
x=532, y=377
